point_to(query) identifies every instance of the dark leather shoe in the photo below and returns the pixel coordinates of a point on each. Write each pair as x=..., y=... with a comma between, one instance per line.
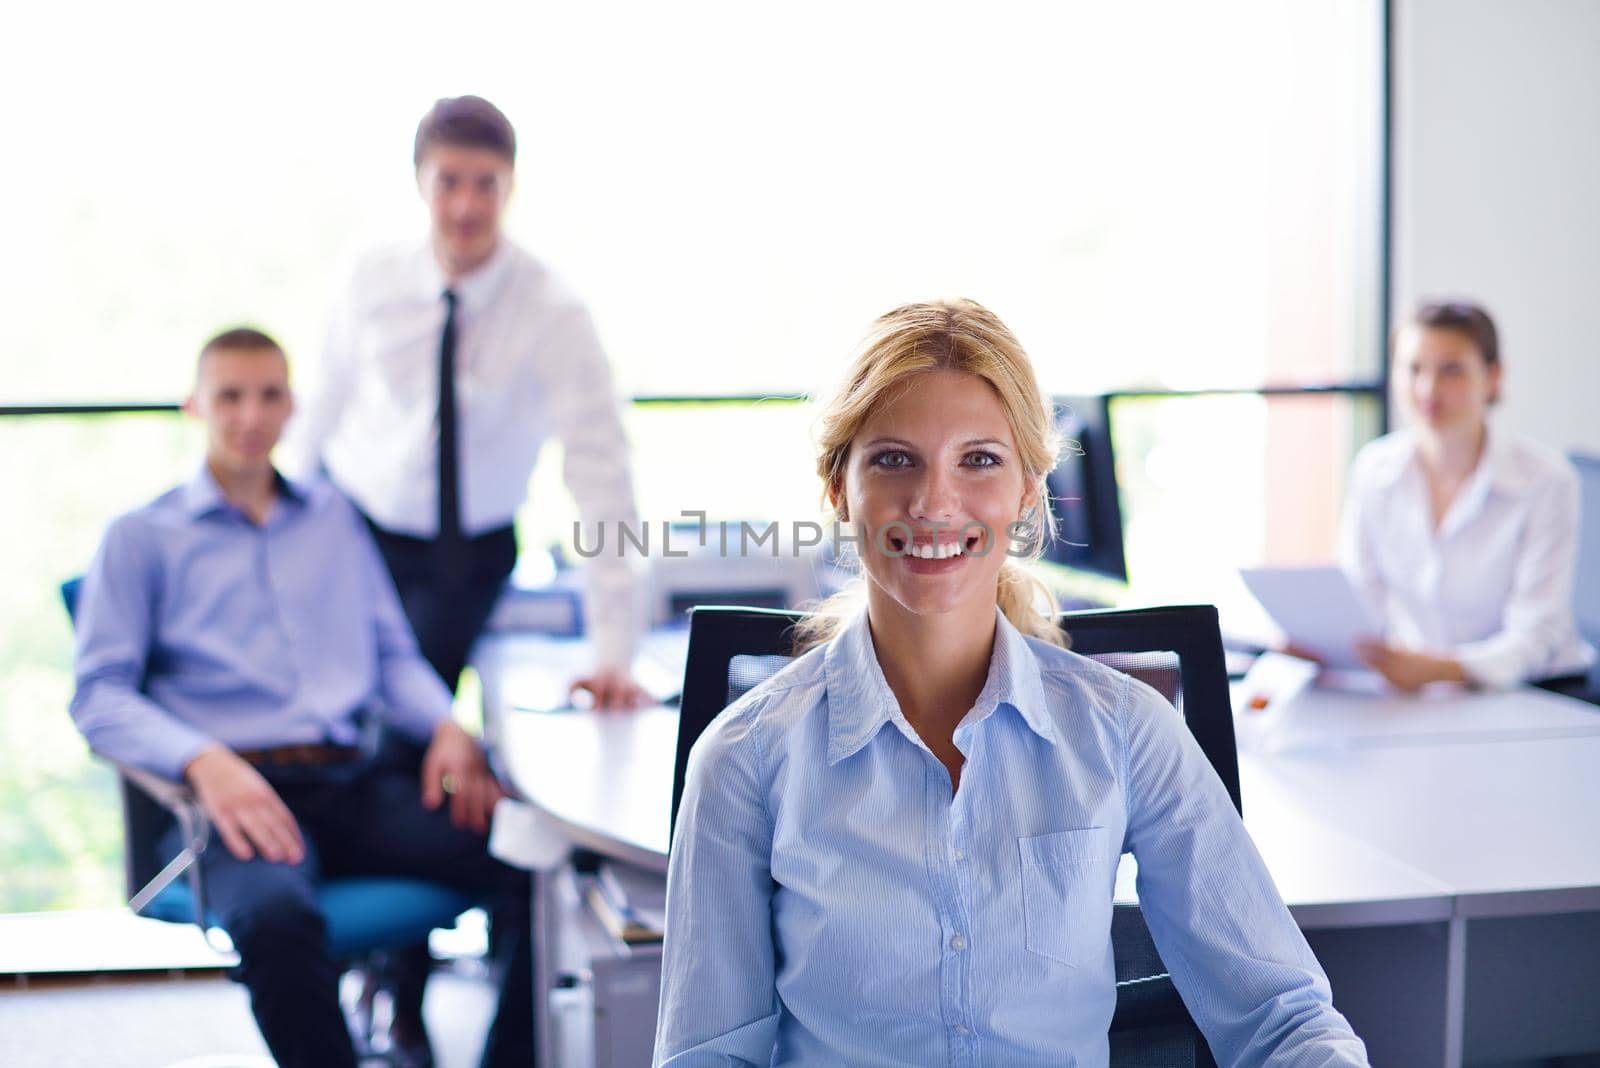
x=409, y=1044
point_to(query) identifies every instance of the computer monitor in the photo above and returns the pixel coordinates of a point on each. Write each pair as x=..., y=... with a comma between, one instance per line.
x=1083, y=491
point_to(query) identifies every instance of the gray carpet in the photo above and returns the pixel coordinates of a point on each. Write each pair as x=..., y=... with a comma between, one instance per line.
x=161, y=1022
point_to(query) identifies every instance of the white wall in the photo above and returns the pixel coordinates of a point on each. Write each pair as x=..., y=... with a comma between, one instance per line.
x=1497, y=190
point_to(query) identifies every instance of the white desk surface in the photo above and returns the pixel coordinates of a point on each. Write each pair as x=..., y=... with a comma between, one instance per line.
x=605, y=778
x=606, y=781
x=1510, y=826
x=1328, y=876
x=535, y=671
x=1324, y=720
x=1495, y=795
x=1367, y=810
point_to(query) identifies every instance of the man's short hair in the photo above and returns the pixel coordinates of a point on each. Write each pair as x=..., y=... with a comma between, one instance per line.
x=241, y=338
x=466, y=122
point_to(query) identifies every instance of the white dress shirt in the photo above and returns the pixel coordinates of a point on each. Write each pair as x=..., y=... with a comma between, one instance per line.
x=529, y=365
x=1492, y=586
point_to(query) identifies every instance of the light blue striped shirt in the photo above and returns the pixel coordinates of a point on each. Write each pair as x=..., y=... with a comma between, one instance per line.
x=829, y=902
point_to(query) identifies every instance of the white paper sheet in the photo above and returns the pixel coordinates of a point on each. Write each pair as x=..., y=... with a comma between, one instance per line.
x=1318, y=609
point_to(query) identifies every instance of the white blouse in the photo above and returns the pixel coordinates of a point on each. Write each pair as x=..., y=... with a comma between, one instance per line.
x=1492, y=586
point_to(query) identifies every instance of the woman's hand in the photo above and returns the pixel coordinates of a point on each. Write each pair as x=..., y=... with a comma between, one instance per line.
x=612, y=690
x=1406, y=669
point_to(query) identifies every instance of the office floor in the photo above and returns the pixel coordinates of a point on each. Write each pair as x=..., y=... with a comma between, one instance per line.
x=199, y=1022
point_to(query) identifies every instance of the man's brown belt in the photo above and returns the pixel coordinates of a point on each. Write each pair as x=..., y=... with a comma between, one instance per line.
x=278, y=755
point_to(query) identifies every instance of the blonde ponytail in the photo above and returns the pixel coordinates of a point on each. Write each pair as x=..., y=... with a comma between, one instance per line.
x=1022, y=596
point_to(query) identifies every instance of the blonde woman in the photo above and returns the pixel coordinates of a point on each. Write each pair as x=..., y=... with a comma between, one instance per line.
x=1463, y=538
x=901, y=849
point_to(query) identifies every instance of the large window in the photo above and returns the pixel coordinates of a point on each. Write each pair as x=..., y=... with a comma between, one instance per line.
x=1162, y=194
x=1159, y=198
x=62, y=477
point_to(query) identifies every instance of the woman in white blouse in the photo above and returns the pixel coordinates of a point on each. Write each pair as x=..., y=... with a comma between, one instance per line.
x=1461, y=536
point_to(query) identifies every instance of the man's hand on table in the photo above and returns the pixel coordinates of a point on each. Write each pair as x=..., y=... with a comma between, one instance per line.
x=612, y=690
x=244, y=808
x=454, y=767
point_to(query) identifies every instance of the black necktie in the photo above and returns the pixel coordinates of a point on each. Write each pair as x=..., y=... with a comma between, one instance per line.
x=449, y=537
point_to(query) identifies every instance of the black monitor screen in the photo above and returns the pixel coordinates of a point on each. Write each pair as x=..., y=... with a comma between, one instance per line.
x=1083, y=491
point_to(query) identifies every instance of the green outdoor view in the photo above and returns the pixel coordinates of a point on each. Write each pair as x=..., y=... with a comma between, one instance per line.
x=61, y=841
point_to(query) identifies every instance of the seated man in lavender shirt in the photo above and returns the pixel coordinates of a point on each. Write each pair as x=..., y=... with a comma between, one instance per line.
x=232, y=633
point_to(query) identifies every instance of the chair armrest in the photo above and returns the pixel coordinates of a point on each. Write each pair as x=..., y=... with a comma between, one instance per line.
x=172, y=796
x=1151, y=999
x=178, y=799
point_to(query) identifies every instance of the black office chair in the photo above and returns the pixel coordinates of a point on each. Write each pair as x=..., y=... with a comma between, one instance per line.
x=1178, y=651
x=367, y=916
x=1586, y=577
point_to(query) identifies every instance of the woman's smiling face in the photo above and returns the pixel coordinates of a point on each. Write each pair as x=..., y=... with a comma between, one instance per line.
x=933, y=484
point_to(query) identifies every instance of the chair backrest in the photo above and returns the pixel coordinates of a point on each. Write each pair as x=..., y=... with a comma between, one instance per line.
x=731, y=651
x=1586, y=582
x=1176, y=650
x=144, y=822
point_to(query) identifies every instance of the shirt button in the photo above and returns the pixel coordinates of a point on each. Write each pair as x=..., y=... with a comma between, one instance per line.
x=961, y=1029
x=960, y=854
x=958, y=942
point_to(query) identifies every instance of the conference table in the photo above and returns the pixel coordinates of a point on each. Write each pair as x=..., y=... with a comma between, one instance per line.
x=1441, y=853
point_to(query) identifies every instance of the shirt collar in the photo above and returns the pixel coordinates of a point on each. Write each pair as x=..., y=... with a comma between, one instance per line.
x=1394, y=465
x=472, y=292
x=860, y=701
x=203, y=496
x=1497, y=467
x=1500, y=464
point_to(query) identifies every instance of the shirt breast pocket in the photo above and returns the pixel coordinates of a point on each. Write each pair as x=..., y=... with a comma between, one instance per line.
x=1066, y=895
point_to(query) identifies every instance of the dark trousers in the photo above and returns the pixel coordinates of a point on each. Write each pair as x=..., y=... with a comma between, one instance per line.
x=360, y=819
x=448, y=611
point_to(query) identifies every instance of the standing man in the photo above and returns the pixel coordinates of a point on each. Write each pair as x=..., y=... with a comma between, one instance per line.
x=448, y=364
x=233, y=633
